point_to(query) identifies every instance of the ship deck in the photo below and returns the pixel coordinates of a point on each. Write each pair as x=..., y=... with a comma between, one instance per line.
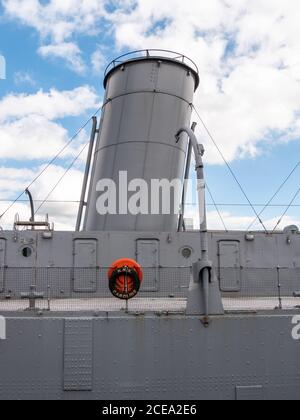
x=147, y=305
x=139, y=305
x=240, y=304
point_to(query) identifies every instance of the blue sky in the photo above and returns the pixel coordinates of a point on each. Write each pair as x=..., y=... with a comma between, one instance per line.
x=247, y=55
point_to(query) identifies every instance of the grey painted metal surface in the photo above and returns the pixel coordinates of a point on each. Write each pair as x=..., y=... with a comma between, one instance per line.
x=2, y=262
x=78, y=355
x=75, y=264
x=229, y=266
x=147, y=101
x=171, y=357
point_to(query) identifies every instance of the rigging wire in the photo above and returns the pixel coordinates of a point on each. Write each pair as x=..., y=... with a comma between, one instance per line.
x=244, y=205
x=276, y=193
x=258, y=215
x=217, y=208
x=62, y=177
x=51, y=162
x=40, y=201
x=287, y=209
x=212, y=204
x=229, y=167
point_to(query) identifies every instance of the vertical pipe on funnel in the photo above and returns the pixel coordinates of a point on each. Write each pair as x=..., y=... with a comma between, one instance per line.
x=86, y=174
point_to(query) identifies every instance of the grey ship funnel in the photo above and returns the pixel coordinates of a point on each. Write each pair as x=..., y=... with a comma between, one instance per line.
x=148, y=99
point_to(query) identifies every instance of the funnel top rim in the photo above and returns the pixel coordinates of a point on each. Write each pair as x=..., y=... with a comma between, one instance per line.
x=153, y=54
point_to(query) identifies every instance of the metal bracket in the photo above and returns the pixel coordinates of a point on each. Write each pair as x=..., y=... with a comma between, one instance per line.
x=33, y=296
x=198, y=267
x=204, y=298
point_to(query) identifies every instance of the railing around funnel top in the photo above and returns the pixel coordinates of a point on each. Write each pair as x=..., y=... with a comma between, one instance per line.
x=152, y=53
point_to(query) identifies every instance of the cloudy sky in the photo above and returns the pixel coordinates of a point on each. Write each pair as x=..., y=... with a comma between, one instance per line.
x=248, y=52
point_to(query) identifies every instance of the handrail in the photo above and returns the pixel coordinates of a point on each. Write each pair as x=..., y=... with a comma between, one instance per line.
x=172, y=55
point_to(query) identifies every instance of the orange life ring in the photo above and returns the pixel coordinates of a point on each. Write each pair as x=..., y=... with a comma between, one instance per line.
x=125, y=278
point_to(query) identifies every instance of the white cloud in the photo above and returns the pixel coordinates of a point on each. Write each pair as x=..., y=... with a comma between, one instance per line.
x=28, y=123
x=12, y=181
x=62, y=222
x=31, y=137
x=56, y=19
x=238, y=222
x=247, y=53
x=24, y=78
x=57, y=22
x=68, y=51
x=54, y=104
x=98, y=61
x=69, y=189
